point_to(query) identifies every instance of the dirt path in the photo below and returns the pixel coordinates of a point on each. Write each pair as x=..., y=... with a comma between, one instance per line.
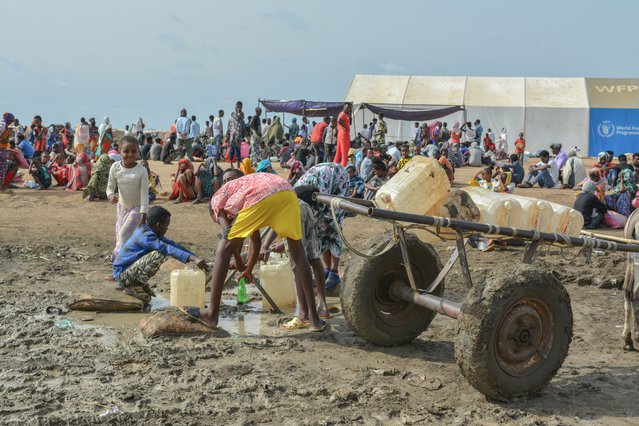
x=54, y=244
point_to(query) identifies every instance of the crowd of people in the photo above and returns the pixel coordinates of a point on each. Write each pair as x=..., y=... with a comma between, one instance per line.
x=319, y=156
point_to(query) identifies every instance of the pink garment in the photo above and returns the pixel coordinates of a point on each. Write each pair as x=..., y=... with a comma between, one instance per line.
x=127, y=221
x=244, y=192
x=245, y=150
x=22, y=163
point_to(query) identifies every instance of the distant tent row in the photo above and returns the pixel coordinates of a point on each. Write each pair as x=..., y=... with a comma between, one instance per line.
x=594, y=114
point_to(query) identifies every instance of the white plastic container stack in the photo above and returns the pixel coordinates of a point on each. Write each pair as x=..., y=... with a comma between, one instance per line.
x=568, y=221
x=278, y=280
x=495, y=209
x=416, y=188
x=520, y=212
x=536, y=214
x=187, y=288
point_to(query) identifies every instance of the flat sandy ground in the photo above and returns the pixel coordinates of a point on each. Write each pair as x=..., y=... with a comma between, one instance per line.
x=53, y=244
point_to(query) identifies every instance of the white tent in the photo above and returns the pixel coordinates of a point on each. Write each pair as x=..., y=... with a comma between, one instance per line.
x=556, y=111
x=405, y=93
x=547, y=110
x=498, y=102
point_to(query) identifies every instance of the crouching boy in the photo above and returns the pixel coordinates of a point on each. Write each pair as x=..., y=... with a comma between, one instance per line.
x=143, y=253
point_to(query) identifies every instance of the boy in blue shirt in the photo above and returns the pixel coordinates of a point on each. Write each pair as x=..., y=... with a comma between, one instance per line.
x=143, y=253
x=25, y=146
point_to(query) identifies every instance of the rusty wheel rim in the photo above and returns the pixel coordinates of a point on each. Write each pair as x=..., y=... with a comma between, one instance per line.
x=524, y=337
x=390, y=310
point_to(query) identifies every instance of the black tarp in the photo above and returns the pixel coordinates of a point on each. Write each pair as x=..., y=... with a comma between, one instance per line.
x=406, y=115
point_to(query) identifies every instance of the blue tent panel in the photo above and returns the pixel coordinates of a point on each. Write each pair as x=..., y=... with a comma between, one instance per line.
x=613, y=129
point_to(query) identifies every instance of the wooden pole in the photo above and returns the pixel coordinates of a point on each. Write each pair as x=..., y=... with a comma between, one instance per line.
x=609, y=237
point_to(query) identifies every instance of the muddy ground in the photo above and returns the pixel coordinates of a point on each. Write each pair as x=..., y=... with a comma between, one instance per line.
x=54, y=245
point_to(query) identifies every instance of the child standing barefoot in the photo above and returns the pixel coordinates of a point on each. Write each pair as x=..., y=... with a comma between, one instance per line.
x=132, y=198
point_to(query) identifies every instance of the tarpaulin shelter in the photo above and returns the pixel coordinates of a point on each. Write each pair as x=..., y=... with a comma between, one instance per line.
x=303, y=107
x=614, y=115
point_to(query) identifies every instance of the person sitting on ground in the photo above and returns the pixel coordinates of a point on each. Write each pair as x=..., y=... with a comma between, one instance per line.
x=622, y=194
x=168, y=152
x=265, y=166
x=297, y=170
x=545, y=173
x=59, y=170
x=405, y=157
x=366, y=165
x=79, y=171
x=560, y=157
x=144, y=252
x=635, y=165
x=515, y=168
x=242, y=206
x=395, y=151
x=605, y=164
x=246, y=166
x=379, y=178
x=498, y=181
x=590, y=207
x=312, y=250
x=156, y=149
x=489, y=145
x=286, y=155
x=475, y=155
x=25, y=147
x=12, y=166
x=356, y=184
x=442, y=158
x=45, y=158
x=574, y=170
x=97, y=186
x=145, y=150
x=208, y=178
x=40, y=173
x=154, y=181
x=114, y=153
x=183, y=189
x=601, y=183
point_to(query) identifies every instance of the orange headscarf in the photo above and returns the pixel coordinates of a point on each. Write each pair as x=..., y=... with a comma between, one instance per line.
x=247, y=166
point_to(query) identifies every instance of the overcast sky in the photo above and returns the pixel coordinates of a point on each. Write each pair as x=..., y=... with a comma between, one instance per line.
x=67, y=59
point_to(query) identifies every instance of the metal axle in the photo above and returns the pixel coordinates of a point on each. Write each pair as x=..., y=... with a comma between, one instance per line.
x=401, y=291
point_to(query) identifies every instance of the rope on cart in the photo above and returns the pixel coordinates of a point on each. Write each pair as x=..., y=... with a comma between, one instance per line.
x=390, y=245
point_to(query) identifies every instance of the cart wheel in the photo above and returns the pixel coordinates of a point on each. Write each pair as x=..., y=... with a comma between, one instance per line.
x=513, y=333
x=366, y=299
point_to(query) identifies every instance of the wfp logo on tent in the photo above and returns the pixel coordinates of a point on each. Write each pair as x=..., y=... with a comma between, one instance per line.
x=606, y=129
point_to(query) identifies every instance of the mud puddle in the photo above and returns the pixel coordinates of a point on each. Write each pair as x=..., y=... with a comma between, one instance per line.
x=248, y=320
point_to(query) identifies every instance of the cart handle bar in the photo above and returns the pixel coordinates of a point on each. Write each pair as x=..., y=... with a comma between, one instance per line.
x=463, y=225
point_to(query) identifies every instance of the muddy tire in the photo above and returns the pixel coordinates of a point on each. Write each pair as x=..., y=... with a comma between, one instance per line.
x=369, y=308
x=514, y=333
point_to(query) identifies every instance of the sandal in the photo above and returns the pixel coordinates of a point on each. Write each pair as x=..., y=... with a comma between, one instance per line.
x=320, y=329
x=294, y=323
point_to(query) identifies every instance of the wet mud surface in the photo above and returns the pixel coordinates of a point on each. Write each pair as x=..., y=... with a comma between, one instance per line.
x=260, y=374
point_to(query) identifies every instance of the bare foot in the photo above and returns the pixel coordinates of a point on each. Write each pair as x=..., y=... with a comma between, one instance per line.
x=322, y=311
